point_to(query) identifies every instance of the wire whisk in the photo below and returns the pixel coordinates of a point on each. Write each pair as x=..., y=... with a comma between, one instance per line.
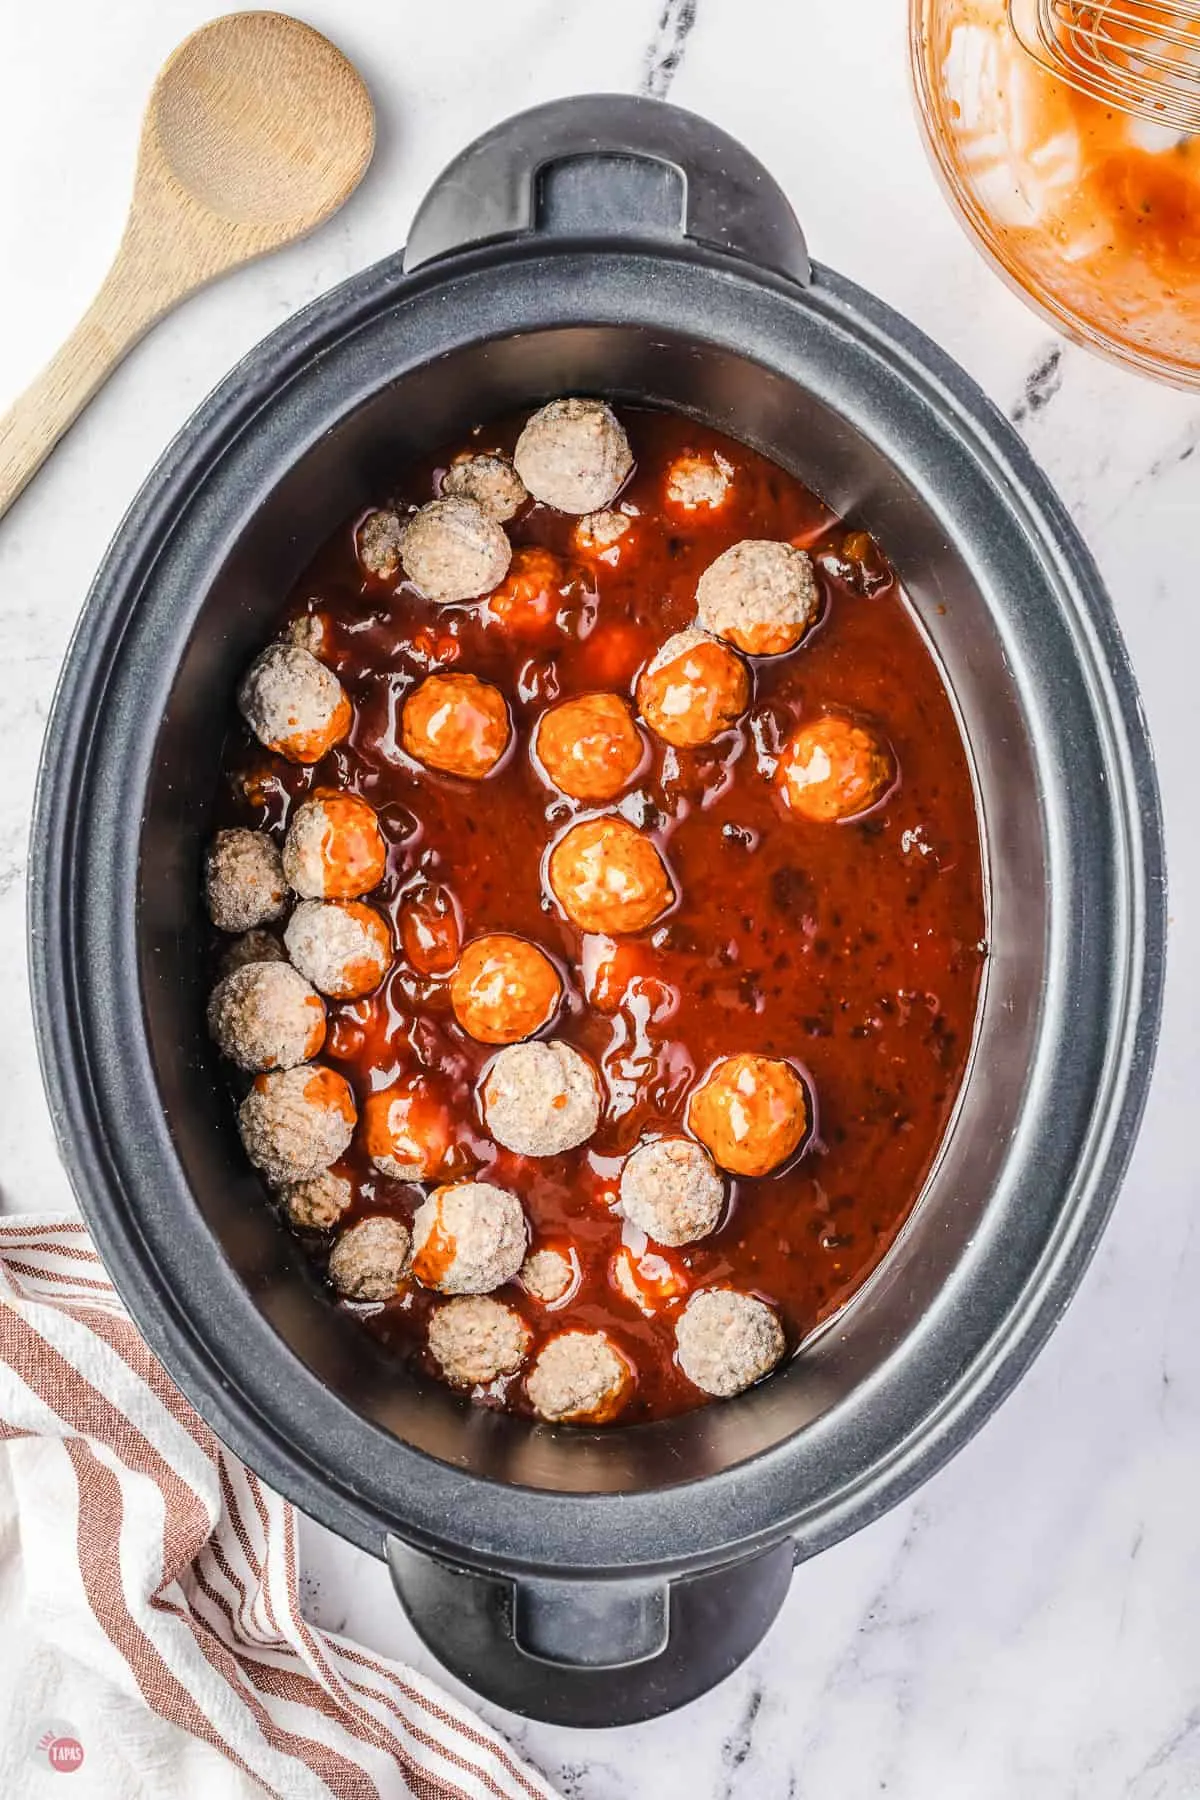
x=1139, y=56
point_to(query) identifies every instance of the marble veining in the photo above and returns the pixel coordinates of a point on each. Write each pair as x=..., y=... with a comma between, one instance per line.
x=1026, y=1627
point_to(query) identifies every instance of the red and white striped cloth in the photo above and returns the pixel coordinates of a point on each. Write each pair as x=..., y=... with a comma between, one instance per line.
x=149, y=1606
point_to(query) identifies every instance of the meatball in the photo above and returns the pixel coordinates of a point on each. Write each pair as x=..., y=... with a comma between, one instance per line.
x=726, y=1341
x=244, y=882
x=760, y=595
x=491, y=481
x=607, y=877
x=550, y=1276
x=266, y=1016
x=334, y=849
x=695, y=688
x=670, y=1189
x=504, y=989
x=589, y=747
x=751, y=1112
x=648, y=1282
x=406, y=1130
x=698, y=483
x=532, y=600
x=317, y=1204
x=377, y=542
x=474, y=1340
x=834, y=769
x=599, y=535
x=573, y=455
x=252, y=947
x=541, y=1099
x=295, y=1122
x=579, y=1378
x=370, y=1259
x=430, y=931
x=294, y=704
x=342, y=946
x=456, y=723
x=468, y=1238
x=310, y=632
x=454, y=550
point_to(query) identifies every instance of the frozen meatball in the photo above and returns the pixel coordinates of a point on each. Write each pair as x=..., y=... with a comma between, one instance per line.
x=695, y=688
x=573, y=455
x=599, y=534
x=252, y=947
x=370, y=1259
x=608, y=877
x=834, y=769
x=474, y=1340
x=579, y=1378
x=295, y=1122
x=456, y=723
x=534, y=600
x=751, y=1113
x=491, y=481
x=504, y=989
x=726, y=1341
x=589, y=747
x=310, y=632
x=244, y=882
x=670, y=1189
x=698, y=483
x=548, y=1276
x=317, y=1204
x=406, y=1129
x=294, y=704
x=541, y=1099
x=454, y=550
x=430, y=930
x=468, y=1238
x=377, y=542
x=342, y=946
x=266, y=1016
x=334, y=849
x=760, y=595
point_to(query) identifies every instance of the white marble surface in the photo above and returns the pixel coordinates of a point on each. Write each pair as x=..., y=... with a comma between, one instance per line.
x=1028, y=1625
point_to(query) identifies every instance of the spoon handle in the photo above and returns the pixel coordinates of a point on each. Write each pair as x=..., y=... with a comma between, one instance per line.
x=122, y=312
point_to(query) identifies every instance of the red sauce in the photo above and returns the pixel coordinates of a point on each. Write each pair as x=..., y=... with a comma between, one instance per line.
x=852, y=950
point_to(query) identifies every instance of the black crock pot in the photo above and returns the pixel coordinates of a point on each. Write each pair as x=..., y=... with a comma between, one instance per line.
x=617, y=246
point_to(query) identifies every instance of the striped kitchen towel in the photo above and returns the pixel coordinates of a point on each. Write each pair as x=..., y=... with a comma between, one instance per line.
x=151, y=1637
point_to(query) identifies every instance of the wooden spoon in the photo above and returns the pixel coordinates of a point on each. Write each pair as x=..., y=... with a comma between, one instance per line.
x=256, y=130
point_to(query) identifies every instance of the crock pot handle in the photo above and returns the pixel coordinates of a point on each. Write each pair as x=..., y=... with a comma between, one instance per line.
x=496, y=187
x=590, y=1652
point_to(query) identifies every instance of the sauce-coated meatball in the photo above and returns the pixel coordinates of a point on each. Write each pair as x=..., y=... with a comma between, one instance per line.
x=541, y=1099
x=370, y=1259
x=456, y=723
x=573, y=455
x=698, y=483
x=833, y=769
x=695, y=688
x=760, y=595
x=489, y=480
x=293, y=704
x=579, y=1378
x=468, y=1238
x=670, y=1189
x=504, y=989
x=474, y=1340
x=608, y=877
x=296, y=1122
x=751, y=1113
x=334, y=849
x=342, y=946
x=311, y=632
x=430, y=930
x=453, y=550
x=406, y=1130
x=318, y=1203
x=589, y=746
x=534, y=601
x=266, y=1016
x=726, y=1341
x=599, y=535
x=244, y=883
x=550, y=1276
x=648, y=1281
x=377, y=543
